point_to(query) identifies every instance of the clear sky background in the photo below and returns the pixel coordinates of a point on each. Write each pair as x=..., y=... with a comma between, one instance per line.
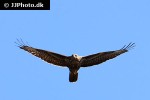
x=83, y=27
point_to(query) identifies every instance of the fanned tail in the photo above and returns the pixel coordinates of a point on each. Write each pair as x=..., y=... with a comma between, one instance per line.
x=73, y=77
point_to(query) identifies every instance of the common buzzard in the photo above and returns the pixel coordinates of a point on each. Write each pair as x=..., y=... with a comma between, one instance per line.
x=74, y=62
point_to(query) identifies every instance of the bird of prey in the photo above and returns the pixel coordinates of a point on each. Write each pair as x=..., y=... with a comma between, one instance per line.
x=75, y=62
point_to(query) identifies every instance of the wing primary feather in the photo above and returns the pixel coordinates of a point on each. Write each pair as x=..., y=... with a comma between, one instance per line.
x=123, y=47
x=130, y=46
x=19, y=44
x=22, y=41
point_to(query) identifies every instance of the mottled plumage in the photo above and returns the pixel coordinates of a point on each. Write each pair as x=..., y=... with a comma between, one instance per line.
x=74, y=62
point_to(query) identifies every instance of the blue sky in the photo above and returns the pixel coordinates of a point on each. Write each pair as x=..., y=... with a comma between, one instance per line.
x=82, y=27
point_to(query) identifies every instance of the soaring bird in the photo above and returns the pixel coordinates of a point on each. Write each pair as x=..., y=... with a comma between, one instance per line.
x=74, y=62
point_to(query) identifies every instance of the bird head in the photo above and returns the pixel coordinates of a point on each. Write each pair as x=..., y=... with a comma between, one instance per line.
x=76, y=57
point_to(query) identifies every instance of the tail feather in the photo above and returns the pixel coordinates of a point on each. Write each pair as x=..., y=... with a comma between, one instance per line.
x=73, y=77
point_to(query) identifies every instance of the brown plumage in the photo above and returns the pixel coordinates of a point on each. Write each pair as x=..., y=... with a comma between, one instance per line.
x=74, y=62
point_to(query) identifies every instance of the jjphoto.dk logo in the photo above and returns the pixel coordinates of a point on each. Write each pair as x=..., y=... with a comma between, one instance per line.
x=6, y=5
x=25, y=5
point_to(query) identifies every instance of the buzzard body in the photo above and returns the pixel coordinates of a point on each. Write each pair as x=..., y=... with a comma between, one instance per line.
x=74, y=62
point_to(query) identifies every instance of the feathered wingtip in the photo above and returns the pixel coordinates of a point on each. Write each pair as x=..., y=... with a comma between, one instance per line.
x=128, y=47
x=21, y=44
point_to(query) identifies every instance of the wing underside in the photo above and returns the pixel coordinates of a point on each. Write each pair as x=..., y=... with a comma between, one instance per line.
x=50, y=57
x=104, y=56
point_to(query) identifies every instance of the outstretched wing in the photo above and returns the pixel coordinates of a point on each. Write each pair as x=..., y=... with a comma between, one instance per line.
x=50, y=57
x=103, y=56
